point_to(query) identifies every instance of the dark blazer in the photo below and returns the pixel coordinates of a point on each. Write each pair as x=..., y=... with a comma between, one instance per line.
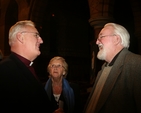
x=122, y=90
x=19, y=90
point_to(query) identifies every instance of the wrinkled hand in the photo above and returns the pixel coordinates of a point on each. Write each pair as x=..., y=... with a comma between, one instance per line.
x=59, y=110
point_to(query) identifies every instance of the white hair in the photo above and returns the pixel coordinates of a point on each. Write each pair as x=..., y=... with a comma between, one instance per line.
x=17, y=28
x=122, y=32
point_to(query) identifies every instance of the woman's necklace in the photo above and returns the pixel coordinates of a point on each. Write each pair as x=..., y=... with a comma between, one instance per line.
x=56, y=96
x=57, y=89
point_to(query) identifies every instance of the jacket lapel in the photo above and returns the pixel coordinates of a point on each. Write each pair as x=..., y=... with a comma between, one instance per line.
x=109, y=84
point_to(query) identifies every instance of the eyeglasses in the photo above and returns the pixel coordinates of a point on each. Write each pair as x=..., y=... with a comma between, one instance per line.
x=56, y=66
x=100, y=37
x=37, y=35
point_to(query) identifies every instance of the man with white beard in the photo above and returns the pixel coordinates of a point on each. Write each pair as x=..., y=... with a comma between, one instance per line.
x=118, y=83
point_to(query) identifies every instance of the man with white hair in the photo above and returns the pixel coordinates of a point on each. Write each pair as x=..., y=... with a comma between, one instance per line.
x=20, y=89
x=117, y=88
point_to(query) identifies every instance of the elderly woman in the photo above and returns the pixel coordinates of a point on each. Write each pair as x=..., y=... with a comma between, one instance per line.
x=61, y=93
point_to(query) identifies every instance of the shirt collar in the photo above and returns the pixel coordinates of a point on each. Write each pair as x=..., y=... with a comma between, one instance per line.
x=114, y=59
x=24, y=60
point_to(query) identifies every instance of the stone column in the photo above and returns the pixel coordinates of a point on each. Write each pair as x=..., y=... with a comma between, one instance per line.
x=100, y=14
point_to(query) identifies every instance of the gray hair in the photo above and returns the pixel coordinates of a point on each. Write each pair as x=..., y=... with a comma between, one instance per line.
x=20, y=25
x=65, y=65
x=122, y=33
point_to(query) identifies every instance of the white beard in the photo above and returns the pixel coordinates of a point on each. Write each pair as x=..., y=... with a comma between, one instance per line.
x=101, y=54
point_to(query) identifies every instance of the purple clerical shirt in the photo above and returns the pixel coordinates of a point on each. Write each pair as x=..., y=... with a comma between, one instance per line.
x=28, y=64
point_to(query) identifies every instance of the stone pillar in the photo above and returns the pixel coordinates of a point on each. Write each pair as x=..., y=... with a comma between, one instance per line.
x=100, y=14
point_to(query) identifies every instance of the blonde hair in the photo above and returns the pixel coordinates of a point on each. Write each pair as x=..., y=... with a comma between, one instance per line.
x=65, y=65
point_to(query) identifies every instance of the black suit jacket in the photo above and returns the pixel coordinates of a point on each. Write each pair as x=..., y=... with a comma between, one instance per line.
x=19, y=89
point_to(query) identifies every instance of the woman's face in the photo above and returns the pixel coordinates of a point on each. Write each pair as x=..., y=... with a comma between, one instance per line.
x=56, y=69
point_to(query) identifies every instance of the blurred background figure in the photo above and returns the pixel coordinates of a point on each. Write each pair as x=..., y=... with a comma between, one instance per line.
x=64, y=96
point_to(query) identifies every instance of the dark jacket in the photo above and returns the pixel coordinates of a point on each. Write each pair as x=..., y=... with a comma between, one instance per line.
x=122, y=90
x=19, y=90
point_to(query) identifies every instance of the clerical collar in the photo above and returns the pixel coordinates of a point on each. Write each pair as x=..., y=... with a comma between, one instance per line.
x=114, y=59
x=24, y=60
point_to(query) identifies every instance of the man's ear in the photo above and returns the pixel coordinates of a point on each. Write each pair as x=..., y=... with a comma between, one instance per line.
x=117, y=39
x=19, y=37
